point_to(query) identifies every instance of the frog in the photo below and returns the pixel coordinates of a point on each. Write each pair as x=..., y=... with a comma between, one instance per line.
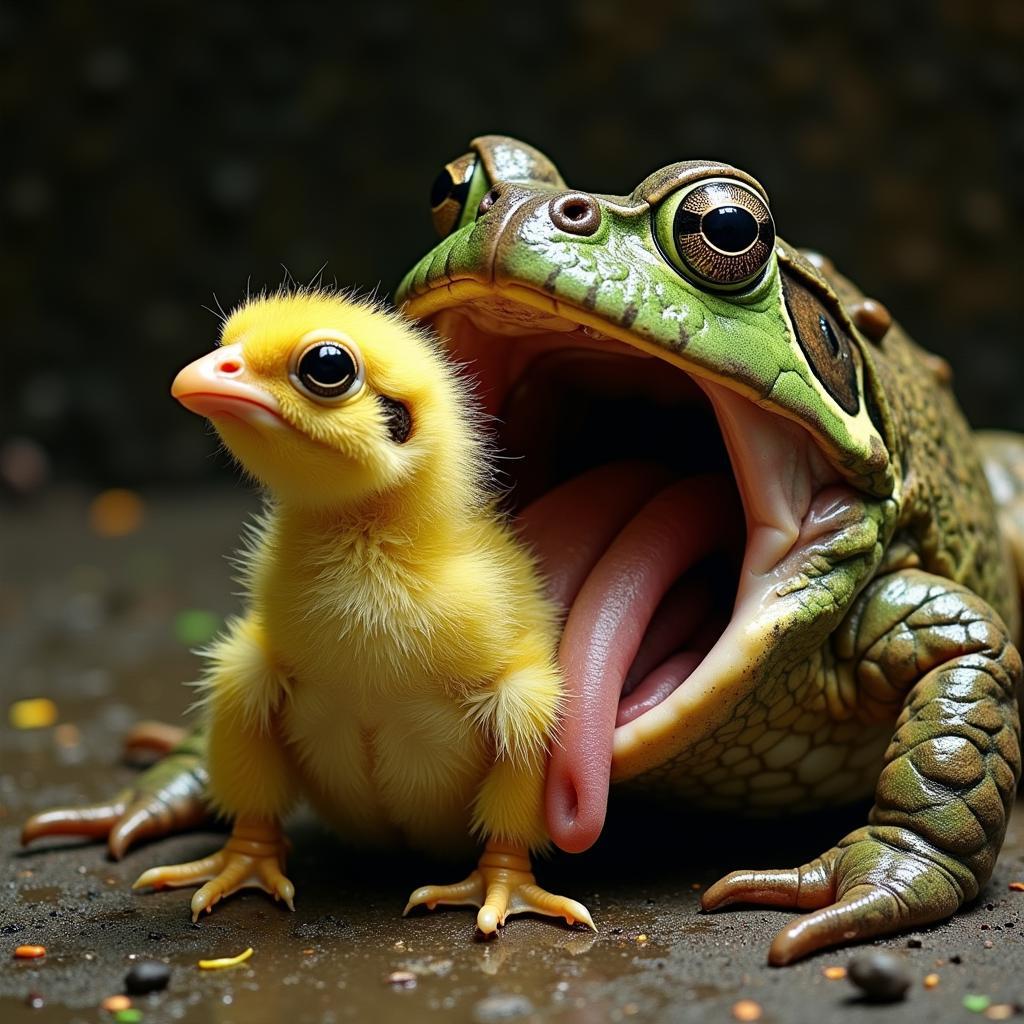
x=832, y=616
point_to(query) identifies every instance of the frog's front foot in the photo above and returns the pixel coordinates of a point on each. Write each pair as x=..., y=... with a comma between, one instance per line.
x=502, y=884
x=876, y=881
x=253, y=858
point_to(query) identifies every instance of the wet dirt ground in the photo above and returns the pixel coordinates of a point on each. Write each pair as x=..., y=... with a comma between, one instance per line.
x=102, y=626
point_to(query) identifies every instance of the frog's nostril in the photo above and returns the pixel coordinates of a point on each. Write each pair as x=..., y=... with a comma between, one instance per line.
x=488, y=201
x=577, y=213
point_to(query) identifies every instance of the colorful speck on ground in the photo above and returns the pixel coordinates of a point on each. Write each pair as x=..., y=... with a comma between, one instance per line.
x=34, y=713
x=130, y=1016
x=116, y=513
x=194, y=626
x=976, y=1003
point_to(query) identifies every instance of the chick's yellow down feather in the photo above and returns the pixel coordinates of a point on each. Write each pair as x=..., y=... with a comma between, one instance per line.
x=396, y=665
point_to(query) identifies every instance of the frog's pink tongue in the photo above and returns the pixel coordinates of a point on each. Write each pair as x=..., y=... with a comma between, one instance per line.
x=625, y=580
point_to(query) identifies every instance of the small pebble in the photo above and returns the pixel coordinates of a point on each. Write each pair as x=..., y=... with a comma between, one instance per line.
x=1000, y=1011
x=401, y=979
x=114, y=1004
x=976, y=1003
x=747, y=1009
x=988, y=943
x=35, y=1001
x=30, y=952
x=147, y=976
x=834, y=973
x=880, y=976
x=495, y=1009
x=931, y=980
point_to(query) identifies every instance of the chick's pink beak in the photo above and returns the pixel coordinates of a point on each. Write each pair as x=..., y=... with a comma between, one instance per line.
x=217, y=386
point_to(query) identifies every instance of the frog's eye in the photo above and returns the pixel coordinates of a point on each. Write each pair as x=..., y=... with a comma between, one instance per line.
x=458, y=188
x=718, y=232
x=328, y=368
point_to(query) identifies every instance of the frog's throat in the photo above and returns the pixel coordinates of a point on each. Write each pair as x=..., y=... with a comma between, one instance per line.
x=619, y=544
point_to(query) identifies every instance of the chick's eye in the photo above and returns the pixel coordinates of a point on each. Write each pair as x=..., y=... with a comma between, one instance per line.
x=329, y=370
x=719, y=232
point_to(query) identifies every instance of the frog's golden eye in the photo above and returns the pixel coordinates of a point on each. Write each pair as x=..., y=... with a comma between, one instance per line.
x=718, y=232
x=456, y=189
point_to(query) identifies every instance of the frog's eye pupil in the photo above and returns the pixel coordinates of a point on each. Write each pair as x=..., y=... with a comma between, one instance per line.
x=441, y=189
x=731, y=229
x=328, y=370
x=829, y=335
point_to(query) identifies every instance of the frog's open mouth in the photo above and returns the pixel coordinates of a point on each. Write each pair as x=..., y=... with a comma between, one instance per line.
x=662, y=508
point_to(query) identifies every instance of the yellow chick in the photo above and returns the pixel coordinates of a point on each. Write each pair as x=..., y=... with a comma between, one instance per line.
x=396, y=665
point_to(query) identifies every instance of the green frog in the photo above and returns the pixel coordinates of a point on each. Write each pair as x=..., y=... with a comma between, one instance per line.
x=825, y=611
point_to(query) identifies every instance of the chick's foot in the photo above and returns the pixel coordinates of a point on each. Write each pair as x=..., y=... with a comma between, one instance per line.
x=502, y=885
x=253, y=858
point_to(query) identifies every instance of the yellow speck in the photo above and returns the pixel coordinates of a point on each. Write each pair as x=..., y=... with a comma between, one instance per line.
x=834, y=973
x=115, y=513
x=746, y=1009
x=36, y=713
x=225, y=961
x=931, y=980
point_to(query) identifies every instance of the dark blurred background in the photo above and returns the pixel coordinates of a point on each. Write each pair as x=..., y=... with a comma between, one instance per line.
x=155, y=155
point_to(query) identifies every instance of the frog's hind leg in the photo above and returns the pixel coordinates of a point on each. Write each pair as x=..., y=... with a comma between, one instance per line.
x=169, y=797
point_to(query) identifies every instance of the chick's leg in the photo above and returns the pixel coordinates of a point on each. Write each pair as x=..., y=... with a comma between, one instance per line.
x=253, y=858
x=250, y=779
x=509, y=804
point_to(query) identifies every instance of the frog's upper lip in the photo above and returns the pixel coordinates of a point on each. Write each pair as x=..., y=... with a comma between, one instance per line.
x=787, y=489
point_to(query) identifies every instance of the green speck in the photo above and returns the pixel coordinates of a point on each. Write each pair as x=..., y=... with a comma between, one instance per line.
x=976, y=1004
x=131, y=1016
x=195, y=627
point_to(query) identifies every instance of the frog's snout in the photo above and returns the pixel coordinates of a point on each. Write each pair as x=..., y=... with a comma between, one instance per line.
x=575, y=212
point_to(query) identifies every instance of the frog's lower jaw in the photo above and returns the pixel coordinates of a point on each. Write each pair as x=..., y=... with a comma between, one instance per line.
x=620, y=462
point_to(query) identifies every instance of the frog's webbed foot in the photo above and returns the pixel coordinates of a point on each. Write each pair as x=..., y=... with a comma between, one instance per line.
x=876, y=881
x=253, y=858
x=168, y=797
x=502, y=885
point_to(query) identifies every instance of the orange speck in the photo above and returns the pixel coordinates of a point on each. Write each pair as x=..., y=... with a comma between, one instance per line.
x=30, y=952
x=931, y=980
x=67, y=735
x=746, y=1009
x=115, y=513
x=1000, y=1011
x=1017, y=886
x=114, y=1004
x=834, y=973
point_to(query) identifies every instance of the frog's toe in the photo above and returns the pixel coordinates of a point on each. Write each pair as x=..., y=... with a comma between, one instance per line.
x=805, y=888
x=153, y=739
x=92, y=821
x=864, y=912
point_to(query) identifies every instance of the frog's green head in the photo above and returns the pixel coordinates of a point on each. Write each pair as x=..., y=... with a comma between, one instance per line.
x=629, y=345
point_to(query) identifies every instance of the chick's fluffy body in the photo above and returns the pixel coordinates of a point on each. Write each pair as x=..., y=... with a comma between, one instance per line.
x=396, y=664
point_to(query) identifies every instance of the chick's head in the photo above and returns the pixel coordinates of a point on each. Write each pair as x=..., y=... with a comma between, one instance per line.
x=327, y=400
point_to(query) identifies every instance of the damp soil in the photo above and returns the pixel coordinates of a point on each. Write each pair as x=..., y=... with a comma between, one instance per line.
x=102, y=626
